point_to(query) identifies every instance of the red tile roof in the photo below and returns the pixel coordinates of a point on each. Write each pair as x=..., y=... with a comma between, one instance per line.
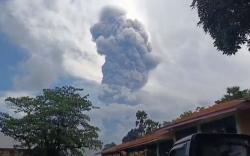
x=212, y=111
x=165, y=132
x=157, y=136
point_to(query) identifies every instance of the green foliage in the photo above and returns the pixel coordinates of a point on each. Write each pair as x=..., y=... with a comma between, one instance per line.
x=140, y=123
x=234, y=93
x=199, y=109
x=107, y=146
x=227, y=21
x=231, y=94
x=151, y=126
x=144, y=126
x=167, y=123
x=185, y=114
x=189, y=113
x=53, y=123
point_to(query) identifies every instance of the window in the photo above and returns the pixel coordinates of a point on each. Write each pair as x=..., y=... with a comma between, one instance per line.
x=224, y=147
x=185, y=132
x=225, y=125
x=180, y=150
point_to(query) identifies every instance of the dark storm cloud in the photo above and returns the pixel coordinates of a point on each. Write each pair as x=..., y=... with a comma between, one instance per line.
x=128, y=59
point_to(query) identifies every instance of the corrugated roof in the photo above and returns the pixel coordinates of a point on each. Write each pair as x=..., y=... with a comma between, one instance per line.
x=165, y=132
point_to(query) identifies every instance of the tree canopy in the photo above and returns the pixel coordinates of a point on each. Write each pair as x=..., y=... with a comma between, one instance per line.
x=187, y=114
x=227, y=21
x=144, y=126
x=107, y=146
x=234, y=93
x=54, y=123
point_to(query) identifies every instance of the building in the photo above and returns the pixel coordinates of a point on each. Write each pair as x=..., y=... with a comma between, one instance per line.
x=13, y=152
x=6, y=147
x=228, y=117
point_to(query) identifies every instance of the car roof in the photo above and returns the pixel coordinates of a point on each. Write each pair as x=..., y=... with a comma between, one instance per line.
x=188, y=138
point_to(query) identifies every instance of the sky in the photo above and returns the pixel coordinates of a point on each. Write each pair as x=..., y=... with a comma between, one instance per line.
x=128, y=55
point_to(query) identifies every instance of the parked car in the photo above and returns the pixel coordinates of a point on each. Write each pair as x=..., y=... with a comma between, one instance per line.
x=212, y=145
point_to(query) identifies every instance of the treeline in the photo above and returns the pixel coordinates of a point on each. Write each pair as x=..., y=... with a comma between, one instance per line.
x=56, y=123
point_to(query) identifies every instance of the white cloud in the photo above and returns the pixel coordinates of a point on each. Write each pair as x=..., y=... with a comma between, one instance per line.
x=56, y=36
x=191, y=67
x=58, y=42
x=53, y=33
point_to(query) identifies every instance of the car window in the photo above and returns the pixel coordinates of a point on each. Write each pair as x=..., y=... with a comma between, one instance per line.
x=179, y=150
x=225, y=147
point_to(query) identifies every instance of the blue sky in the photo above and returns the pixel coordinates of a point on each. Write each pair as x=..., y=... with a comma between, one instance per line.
x=11, y=57
x=48, y=43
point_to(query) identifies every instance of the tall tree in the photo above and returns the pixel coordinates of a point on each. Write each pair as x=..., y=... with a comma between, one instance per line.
x=52, y=124
x=234, y=93
x=227, y=21
x=144, y=126
x=140, y=123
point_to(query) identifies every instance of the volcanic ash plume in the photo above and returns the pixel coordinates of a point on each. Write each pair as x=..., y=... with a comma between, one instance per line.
x=128, y=59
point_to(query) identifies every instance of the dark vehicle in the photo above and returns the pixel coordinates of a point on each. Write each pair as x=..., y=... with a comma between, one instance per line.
x=212, y=145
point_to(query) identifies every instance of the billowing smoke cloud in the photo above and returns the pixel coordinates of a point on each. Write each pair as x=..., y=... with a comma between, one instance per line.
x=128, y=59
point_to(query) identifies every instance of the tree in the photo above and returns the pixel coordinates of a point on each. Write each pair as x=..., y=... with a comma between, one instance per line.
x=107, y=146
x=151, y=126
x=189, y=113
x=167, y=123
x=144, y=126
x=234, y=93
x=52, y=124
x=185, y=114
x=131, y=135
x=140, y=123
x=227, y=21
